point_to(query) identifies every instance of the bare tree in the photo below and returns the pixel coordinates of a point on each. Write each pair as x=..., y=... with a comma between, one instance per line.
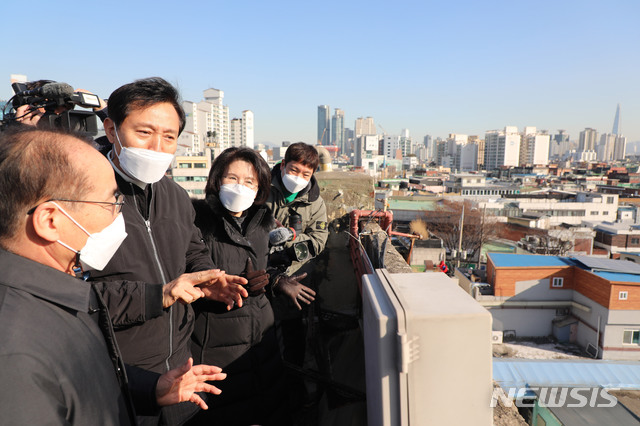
x=551, y=242
x=445, y=221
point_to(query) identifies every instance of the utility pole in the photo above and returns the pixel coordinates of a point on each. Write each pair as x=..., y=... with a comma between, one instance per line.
x=460, y=239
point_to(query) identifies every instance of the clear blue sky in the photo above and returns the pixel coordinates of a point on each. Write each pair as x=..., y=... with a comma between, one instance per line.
x=432, y=67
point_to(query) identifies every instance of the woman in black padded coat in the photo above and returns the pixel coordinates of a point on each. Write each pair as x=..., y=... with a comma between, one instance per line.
x=235, y=226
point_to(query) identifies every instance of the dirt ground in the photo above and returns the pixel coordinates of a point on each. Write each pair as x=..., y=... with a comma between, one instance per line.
x=630, y=399
x=506, y=416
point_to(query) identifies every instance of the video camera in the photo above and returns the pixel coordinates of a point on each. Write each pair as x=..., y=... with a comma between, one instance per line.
x=58, y=101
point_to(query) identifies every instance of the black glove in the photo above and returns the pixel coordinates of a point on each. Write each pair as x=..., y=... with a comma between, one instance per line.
x=258, y=280
x=291, y=287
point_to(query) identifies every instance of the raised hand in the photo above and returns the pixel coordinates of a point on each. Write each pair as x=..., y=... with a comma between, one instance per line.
x=182, y=383
x=297, y=292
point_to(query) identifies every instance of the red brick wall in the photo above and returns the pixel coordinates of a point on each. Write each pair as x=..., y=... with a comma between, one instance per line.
x=583, y=245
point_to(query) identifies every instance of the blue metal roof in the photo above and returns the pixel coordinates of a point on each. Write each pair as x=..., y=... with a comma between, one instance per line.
x=519, y=373
x=526, y=260
x=617, y=276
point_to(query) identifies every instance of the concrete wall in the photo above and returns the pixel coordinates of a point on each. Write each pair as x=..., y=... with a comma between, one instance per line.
x=619, y=321
x=539, y=290
x=526, y=322
x=588, y=325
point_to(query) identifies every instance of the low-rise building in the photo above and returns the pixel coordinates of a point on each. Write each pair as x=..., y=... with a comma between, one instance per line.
x=589, y=301
x=618, y=237
x=561, y=207
x=191, y=173
x=476, y=185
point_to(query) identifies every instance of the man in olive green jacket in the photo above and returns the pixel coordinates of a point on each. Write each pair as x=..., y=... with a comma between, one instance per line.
x=296, y=203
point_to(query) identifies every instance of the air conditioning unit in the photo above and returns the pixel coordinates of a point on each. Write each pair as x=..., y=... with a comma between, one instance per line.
x=496, y=337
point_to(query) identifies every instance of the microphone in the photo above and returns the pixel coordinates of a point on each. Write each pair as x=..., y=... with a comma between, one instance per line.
x=50, y=91
x=281, y=235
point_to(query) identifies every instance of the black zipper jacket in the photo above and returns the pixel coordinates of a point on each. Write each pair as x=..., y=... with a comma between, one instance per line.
x=162, y=244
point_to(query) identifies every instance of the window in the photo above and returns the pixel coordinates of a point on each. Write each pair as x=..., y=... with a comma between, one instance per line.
x=184, y=165
x=594, y=213
x=609, y=200
x=557, y=282
x=631, y=337
x=623, y=295
x=200, y=165
x=635, y=240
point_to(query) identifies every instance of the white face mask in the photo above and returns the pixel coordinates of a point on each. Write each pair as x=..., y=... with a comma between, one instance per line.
x=294, y=183
x=236, y=198
x=143, y=164
x=100, y=246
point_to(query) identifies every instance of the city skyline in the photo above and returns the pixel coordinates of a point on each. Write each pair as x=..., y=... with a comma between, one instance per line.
x=435, y=69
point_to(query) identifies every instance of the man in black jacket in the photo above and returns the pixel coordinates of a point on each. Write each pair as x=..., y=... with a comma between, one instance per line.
x=59, y=363
x=163, y=260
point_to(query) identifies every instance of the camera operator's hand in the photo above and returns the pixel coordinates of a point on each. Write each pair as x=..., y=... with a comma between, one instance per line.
x=27, y=114
x=291, y=287
x=103, y=104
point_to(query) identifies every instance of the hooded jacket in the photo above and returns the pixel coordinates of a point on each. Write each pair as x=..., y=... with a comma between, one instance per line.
x=309, y=205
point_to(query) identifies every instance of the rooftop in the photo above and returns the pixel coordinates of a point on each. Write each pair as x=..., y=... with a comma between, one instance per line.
x=619, y=277
x=507, y=260
x=609, y=374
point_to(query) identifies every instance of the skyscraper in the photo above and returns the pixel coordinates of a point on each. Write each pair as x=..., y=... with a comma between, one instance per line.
x=337, y=130
x=616, y=121
x=324, y=130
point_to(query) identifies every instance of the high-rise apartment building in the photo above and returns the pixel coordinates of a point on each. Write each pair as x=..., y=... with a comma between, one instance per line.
x=391, y=147
x=604, y=150
x=534, y=147
x=502, y=148
x=365, y=126
x=405, y=143
x=324, y=125
x=235, y=132
x=468, y=157
x=247, y=129
x=337, y=130
x=349, y=141
x=588, y=139
x=241, y=133
x=620, y=148
x=559, y=145
x=190, y=140
x=480, y=143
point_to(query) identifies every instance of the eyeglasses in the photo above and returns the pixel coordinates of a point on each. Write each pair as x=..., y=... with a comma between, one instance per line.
x=249, y=183
x=116, y=206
